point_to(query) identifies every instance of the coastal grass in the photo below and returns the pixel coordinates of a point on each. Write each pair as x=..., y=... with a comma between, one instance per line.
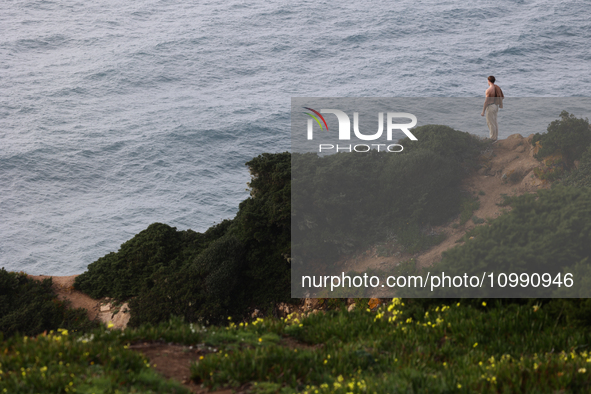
x=469, y=206
x=61, y=362
x=448, y=348
x=406, y=345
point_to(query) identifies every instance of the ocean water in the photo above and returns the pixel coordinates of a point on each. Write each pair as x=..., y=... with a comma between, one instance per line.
x=115, y=115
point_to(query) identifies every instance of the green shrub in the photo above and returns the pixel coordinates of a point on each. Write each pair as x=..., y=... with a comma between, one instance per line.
x=206, y=289
x=477, y=220
x=515, y=176
x=235, y=265
x=263, y=226
x=461, y=147
x=156, y=251
x=29, y=307
x=568, y=136
x=543, y=233
x=469, y=205
x=347, y=201
x=580, y=176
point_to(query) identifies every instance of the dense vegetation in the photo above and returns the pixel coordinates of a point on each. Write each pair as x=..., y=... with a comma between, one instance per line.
x=342, y=203
x=231, y=268
x=347, y=201
x=30, y=307
x=402, y=346
x=155, y=252
x=97, y=362
x=581, y=176
x=543, y=233
x=243, y=263
x=568, y=137
x=548, y=232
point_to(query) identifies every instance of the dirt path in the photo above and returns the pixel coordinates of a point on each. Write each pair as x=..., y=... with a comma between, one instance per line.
x=174, y=362
x=64, y=288
x=506, y=168
x=103, y=309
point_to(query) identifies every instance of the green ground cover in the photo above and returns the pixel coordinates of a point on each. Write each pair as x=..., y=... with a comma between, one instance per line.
x=440, y=346
x=62, y=362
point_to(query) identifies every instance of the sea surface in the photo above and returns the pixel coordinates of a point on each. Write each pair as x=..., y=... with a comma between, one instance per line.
x=115, y=115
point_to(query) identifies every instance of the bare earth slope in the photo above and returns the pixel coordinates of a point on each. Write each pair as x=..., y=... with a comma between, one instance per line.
x=104, y=309
x=506, y=168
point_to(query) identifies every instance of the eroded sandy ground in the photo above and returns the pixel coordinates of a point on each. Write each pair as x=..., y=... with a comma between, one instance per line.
x=507, y=168
x=104, y=309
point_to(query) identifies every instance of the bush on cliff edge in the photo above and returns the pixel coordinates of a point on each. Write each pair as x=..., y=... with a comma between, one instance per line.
x=157, y=251
x=568, y=136
x=233, y=266
x=29, y=307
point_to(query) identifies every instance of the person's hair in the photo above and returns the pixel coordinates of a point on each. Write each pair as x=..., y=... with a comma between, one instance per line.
x=492, y=79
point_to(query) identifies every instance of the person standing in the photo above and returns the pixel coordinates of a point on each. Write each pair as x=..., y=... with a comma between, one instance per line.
x=492, y=103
